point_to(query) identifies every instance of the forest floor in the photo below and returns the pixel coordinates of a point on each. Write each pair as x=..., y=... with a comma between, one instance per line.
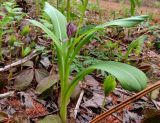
x=20, y=103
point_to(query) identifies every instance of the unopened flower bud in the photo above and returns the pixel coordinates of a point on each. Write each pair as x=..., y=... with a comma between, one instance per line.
x=71, y=29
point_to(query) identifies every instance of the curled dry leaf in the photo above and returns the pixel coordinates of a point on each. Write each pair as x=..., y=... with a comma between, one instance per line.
x=24, y=79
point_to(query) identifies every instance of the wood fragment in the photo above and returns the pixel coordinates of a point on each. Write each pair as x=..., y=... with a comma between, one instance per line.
x=78, y=104
x=21, y=61
x=7, y=94
x=126, y=102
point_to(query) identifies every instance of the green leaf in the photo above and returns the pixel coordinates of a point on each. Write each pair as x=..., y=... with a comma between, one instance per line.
x=50, y=119
x=126, y=22
x=133, y=6
x=135, y=44
x=109, y=84
x=26, y=51
x=134, y=3
x=59, y=21
x=25, y=30
x=130, y=78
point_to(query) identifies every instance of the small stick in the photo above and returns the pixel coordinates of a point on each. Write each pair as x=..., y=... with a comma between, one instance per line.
x=10, y=93
x=78, y=104
x=154, y=102
x=126, y=102
x=21, y=61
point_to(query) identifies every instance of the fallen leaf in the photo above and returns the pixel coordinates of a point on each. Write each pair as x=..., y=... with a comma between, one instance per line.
x=28, y=64
x=24, y=79
x=50, y=119
x=76, y=93
x=96, y=101
x=45, y=62
x=46, y=83
x=40, y=74
x=131, y=116
x=26, y=99
x=91, y=81
x=20, y=117
x=154, y=94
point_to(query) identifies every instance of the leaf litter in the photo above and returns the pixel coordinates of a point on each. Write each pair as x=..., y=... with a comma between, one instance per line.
x=26, y=106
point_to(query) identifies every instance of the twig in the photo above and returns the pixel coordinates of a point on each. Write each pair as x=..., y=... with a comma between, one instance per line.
x=155, y=103
x=78, y=104
x=126, y=102
x=10, y=93
x=21, y=61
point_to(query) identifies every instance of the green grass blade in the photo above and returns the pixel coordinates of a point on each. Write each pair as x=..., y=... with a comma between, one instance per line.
x=126, y=22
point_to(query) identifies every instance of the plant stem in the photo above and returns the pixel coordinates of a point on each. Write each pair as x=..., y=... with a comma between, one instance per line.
x=97, y=2
x=104, y=102
x=68, y=10
x=63, y=112
x=1, y=57
x=57, y=4
x=63, y=6
x=37, y=7
x=82, y=16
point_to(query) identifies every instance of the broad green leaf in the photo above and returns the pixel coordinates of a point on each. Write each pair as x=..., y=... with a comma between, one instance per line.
x=130, y=78
x=109, y=84
x=59, y=21
x=50, y=119
x=126, y=22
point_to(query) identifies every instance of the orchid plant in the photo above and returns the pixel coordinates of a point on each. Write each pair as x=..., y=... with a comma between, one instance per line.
x=68, y=44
